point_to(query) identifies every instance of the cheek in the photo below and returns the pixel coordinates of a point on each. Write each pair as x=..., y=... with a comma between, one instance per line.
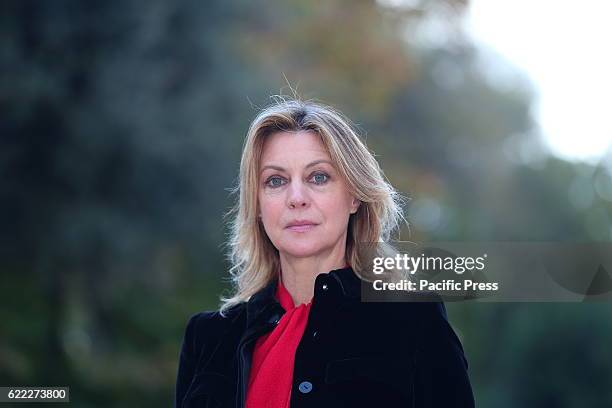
x=270, y=207
x=334, y=209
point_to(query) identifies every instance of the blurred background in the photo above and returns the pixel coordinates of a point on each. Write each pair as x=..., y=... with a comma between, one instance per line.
x=121, y=128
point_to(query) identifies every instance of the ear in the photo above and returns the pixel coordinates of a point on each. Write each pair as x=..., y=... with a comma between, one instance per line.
x=355, y=205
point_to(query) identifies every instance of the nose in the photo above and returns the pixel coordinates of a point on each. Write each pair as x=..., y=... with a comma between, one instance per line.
x=297, y=196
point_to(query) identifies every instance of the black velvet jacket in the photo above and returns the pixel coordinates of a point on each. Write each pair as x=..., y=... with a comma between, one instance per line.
x=352, y=353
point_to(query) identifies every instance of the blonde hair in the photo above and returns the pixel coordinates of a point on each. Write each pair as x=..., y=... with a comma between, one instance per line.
x=253, y=258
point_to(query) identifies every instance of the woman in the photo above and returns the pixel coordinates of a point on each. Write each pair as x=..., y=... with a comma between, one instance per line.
x=295, y=332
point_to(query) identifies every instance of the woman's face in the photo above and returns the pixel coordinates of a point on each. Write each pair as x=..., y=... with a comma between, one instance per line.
x=304, y=203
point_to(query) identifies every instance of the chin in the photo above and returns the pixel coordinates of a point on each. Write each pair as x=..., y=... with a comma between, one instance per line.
x=301, y=250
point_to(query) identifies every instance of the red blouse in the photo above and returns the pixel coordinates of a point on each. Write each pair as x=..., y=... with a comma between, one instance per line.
x=271, y=375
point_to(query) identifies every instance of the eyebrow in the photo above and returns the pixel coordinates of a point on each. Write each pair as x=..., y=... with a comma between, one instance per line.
x=279, y=168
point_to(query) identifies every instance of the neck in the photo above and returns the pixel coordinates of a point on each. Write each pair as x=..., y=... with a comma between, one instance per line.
x=299, y=274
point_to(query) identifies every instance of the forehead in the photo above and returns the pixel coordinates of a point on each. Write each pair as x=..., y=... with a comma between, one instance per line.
x=293, y=147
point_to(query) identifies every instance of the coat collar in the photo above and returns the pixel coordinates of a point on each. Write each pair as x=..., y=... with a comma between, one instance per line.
x=336, y=286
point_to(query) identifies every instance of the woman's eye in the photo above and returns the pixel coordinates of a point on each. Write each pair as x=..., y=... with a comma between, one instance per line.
x=274, y=182
x=320, y=178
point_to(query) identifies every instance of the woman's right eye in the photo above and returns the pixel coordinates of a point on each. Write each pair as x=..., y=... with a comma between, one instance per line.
x=274, y=182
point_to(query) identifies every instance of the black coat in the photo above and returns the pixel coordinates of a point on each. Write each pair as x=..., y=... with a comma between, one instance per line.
x=352, y=353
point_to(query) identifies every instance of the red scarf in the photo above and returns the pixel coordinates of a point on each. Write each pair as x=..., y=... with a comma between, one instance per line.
x=271, y=375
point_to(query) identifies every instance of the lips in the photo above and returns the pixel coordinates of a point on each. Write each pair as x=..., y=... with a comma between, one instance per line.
x=301, y=225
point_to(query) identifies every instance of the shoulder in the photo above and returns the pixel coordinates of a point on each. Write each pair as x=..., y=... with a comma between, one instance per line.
x=427, y=313
x=203, y=325
x=422, y=308
x=421, y=316
x=427, y=308
x=435, y=333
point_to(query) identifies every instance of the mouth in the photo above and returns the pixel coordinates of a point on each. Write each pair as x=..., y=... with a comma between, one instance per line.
x=301, y=227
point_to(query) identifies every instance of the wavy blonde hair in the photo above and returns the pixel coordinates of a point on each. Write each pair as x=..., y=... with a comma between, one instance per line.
x=252, y=256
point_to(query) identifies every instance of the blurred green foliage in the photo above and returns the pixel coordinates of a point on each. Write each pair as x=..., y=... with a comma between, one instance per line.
x=122, y=125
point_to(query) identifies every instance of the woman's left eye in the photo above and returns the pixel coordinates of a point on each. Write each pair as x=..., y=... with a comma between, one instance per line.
x=320, y=178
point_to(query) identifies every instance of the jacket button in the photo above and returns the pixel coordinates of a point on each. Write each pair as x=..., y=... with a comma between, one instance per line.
x=324, y=286
x=315, y=334
x=305, y=387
